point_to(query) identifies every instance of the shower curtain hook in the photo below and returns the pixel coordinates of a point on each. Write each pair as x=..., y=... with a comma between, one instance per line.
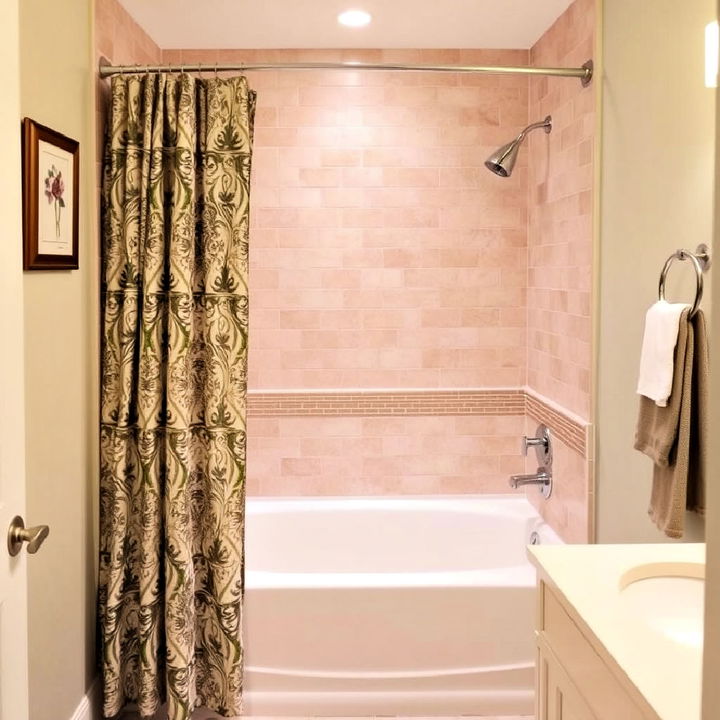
x=216, y=75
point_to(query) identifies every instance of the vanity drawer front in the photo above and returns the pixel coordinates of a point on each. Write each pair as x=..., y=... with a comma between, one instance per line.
x=601, y=689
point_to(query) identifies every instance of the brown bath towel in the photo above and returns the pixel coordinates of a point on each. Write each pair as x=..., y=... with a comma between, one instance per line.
x=674, y=437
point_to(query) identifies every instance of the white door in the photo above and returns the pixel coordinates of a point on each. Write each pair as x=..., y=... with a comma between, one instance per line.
x=13, y=590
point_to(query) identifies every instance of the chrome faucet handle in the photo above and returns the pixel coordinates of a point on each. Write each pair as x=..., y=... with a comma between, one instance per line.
x=528, y=442
x=542, y=444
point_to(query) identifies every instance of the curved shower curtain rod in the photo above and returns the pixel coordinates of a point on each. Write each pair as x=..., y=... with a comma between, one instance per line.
x=584, y=73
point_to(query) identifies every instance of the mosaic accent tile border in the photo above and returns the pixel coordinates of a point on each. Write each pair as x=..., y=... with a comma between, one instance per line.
x=572, y=431
x=389, y=402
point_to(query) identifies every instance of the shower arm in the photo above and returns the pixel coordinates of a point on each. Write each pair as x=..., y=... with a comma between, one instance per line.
x=546, y=123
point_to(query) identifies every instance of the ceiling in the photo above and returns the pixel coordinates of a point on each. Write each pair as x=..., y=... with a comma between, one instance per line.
x=491, y=24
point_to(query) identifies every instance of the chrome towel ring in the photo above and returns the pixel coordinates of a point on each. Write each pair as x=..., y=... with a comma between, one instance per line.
x=701, y=262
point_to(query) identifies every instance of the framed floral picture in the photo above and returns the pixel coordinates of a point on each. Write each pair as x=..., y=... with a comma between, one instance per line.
x=50, y=198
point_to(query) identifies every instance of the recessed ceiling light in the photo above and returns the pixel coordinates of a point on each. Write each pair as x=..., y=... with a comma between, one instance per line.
x=354, y=18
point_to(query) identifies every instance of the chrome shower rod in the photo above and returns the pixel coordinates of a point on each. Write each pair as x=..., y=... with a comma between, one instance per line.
x=584, y=73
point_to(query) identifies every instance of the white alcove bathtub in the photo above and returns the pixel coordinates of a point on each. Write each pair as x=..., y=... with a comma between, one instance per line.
x=390, y=606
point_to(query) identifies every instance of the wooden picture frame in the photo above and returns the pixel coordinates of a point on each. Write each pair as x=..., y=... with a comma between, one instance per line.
x=50, y=175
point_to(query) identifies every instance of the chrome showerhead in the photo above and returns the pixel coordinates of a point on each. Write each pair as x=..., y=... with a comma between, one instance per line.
x=502, y=161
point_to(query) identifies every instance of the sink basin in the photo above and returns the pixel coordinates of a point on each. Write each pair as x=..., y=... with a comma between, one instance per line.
x=669, y=598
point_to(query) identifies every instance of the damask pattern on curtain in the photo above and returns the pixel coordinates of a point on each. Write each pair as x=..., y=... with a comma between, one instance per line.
x=174, y=368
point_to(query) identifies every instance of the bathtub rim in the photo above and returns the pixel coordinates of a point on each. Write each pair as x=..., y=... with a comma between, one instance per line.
x=516, y=506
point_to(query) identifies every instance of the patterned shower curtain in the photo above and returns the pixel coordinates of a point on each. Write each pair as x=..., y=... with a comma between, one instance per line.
x=172, y=486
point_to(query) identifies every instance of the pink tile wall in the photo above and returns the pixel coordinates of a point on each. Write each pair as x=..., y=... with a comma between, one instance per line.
x=383, y=253
x=382, y=455
x=560, y=248
x=560, y=217
x=120, y=39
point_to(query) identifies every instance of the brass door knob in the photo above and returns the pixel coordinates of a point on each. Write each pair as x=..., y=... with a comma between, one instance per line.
x=18, y=534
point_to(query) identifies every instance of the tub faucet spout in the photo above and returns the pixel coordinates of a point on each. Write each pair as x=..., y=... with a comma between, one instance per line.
x=542, y=477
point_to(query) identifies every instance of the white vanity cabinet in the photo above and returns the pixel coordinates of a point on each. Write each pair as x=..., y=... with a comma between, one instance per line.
x=576, y=678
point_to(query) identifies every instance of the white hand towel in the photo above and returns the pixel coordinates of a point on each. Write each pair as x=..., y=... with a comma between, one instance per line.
x=657, y=357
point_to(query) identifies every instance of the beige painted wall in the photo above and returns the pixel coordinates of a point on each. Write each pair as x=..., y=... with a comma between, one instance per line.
x=61, y=371
x=656, y=195
x=711, y=688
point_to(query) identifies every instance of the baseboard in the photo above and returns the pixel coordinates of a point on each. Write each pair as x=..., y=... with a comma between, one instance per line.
x=89, y=706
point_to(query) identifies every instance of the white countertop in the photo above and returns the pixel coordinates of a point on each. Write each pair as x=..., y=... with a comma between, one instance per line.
x=667, y=673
